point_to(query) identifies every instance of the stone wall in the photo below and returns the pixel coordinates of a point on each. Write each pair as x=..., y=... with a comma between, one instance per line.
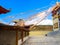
x=43, y=28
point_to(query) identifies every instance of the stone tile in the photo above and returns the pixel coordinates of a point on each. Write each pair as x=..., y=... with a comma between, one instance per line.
x=42, y=41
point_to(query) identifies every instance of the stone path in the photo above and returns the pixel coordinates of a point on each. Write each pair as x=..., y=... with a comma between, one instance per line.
x=36, y=40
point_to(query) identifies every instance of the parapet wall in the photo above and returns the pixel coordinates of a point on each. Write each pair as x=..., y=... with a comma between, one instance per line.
x=8, y=37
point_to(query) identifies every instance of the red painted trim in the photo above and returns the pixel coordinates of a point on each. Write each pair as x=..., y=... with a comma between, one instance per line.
x=3, y=10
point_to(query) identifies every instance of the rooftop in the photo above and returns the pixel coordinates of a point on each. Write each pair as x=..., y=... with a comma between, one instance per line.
x=3, y=10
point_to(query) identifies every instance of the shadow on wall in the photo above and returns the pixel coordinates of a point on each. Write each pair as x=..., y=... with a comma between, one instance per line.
x=54, y=34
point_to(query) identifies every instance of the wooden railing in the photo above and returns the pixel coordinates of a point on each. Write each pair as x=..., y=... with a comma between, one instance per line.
x=24, y=31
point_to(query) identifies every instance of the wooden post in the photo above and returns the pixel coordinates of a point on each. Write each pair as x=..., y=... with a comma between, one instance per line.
x=16, y=37
x=25, y=33
x=22, y=35
x=28, y=33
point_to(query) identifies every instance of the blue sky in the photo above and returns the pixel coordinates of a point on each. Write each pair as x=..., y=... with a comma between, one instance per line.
x=24, y=8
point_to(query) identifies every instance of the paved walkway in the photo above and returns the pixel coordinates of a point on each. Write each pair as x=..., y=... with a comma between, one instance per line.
x=36, y=40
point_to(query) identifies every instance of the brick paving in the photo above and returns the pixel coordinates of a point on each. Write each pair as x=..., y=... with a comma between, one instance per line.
x=37, y=40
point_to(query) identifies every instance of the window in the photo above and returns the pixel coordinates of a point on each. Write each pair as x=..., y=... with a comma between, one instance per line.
x=59, y=19
x=59, y=22
x=58, y=12
x=55, y=16
x=55, y=25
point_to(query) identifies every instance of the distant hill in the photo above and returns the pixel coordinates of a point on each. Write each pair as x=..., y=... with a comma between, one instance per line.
x=42, y=28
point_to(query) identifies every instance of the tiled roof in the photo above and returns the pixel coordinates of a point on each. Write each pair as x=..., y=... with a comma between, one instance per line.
x=3, y=10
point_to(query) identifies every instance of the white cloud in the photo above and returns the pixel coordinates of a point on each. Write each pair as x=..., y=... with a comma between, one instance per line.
x=1, y=21
x=44, y=22
x=11, y=23
x=40, y=17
